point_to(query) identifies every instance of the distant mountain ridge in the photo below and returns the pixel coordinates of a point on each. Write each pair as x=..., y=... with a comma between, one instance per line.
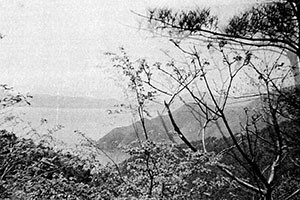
x=188, y=120
x=51, y=101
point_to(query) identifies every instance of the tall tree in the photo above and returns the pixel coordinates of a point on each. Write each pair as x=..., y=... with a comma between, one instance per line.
x=270, y=24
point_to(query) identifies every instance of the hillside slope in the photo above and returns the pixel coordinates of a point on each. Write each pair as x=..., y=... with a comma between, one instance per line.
x=188, y=120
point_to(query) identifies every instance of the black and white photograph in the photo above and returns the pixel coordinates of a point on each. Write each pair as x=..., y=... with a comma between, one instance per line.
x=149, y=100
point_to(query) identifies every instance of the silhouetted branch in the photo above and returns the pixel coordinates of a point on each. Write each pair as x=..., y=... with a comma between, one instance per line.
x=176, y=128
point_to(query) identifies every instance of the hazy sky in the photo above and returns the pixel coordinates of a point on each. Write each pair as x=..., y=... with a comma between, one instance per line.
x=57, y=46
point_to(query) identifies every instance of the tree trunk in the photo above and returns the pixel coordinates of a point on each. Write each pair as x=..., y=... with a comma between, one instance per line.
x=268, y=195
x=203, y=137
x=295, y=67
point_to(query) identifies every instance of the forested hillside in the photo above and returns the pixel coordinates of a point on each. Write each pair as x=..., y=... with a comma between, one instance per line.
x=30, y=171
x=189, y=119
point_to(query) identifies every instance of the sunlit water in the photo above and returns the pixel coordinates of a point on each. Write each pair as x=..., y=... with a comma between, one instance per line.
x=95, y=123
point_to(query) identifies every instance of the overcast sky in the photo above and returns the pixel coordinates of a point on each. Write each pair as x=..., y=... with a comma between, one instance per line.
x=56, y=46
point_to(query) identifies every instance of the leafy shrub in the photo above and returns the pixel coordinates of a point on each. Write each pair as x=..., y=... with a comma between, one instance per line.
x=30, y=171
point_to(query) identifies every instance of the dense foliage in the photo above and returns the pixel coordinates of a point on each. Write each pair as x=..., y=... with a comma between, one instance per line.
x=30, y=171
